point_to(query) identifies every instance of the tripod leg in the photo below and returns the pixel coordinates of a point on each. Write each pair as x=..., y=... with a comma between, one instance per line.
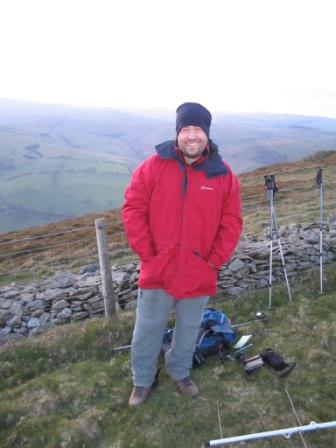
x=271, y=251
x=270, y=277
x=282, y=257
x=321, y=238
x=321, y=263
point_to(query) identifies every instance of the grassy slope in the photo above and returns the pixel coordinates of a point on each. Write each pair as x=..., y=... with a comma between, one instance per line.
x=296, y=202
x=68, y=388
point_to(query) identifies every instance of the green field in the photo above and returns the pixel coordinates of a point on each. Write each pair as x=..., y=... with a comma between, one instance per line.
x=73, y=194
x=64, y=177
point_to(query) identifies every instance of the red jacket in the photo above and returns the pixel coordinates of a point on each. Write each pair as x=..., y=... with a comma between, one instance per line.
x=183, y=221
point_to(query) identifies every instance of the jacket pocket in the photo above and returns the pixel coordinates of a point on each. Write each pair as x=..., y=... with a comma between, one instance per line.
x=200, y=275
x=153, y=270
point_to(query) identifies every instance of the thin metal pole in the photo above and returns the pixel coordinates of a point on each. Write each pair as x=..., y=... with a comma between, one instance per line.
x=219, y=421
x=296, y=416
x=282, y=256
x=287, y=433
x=321, y=235
x=270, y=194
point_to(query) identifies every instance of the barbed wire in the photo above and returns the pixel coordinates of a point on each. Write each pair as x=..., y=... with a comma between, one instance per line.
x=45, y=235
x=36, y=249
x=49, y=235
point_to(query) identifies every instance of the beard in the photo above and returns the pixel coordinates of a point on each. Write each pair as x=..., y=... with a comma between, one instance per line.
x=192, y=155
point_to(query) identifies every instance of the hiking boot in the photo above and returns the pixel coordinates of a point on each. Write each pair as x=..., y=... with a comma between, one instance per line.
x=187, y=387
x=138, y=395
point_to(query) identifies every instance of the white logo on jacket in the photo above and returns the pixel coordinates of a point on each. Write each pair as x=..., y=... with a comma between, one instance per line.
x=203, y=187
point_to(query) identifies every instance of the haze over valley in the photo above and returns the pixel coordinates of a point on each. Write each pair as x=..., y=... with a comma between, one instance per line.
x=59, y=161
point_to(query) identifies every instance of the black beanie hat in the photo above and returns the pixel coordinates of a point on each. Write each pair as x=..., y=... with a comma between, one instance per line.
x=193, y=114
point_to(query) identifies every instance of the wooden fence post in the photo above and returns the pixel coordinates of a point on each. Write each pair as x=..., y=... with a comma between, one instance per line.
x=111, y=307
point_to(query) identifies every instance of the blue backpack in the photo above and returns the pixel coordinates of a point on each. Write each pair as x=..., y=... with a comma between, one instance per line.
x=215, y=336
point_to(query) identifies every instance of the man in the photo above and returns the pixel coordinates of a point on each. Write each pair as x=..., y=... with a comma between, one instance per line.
x=182, y=217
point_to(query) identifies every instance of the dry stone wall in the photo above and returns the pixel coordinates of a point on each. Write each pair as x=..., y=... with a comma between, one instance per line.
x=27, y=310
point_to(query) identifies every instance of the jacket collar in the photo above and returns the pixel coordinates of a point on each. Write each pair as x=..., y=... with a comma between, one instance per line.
x=212, y=166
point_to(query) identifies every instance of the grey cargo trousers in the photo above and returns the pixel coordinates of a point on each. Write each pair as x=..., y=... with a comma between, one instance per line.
x=152, y=314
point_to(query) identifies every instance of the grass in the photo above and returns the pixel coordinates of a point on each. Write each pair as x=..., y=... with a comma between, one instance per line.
x=297, y=200
x=68, y=388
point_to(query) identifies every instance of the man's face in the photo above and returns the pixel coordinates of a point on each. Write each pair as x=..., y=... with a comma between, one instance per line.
x=192, y=141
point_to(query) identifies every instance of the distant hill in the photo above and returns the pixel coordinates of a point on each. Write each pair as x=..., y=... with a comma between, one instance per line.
x=57, y=162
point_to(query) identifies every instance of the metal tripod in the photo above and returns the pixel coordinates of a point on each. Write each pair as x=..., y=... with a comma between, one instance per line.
x=271, y=190
x=319, y=184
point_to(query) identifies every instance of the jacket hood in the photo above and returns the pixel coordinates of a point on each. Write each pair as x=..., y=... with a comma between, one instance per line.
x=212, y=166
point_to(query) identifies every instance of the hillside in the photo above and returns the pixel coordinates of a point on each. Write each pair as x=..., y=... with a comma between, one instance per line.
x=68, y=388
x=68, y=244
x=58, y=162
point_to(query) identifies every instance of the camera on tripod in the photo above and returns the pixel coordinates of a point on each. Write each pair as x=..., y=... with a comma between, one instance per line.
x=270, y=183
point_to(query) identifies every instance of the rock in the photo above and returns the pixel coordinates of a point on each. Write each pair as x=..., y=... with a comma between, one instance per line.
x=87, y=295
x=11, y=294
x=262, y=283
x=236, y=265
x=34, y=322
x=4, y=316
x=125, y=292
x=89, y=281
x=14, y=322
x=6, y=330
x=126, y=297
x=44, y=317
x=134, y=278
x=5, y=304
x=16, y=309
x=88, y=268
x=59, y=305
x=311, y=237
x=76, y=309
x=64, y=314
x=97, y=311
x=27, y=297
x=41, y=329
x=63, y=279
x=50, y=294
x=80, y=315
x=121, y=278
x=97, y=304
x=76, y=304
x=34, y=304
x=37, y=313
x=129, y=268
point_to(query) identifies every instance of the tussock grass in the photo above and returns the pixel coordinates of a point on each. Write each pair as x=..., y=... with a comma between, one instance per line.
x=68, y=388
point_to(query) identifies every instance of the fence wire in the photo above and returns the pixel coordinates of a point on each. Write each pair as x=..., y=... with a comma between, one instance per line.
x=29, y=258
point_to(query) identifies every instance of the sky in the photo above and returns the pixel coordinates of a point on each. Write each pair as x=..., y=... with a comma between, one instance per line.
x=230, y=55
